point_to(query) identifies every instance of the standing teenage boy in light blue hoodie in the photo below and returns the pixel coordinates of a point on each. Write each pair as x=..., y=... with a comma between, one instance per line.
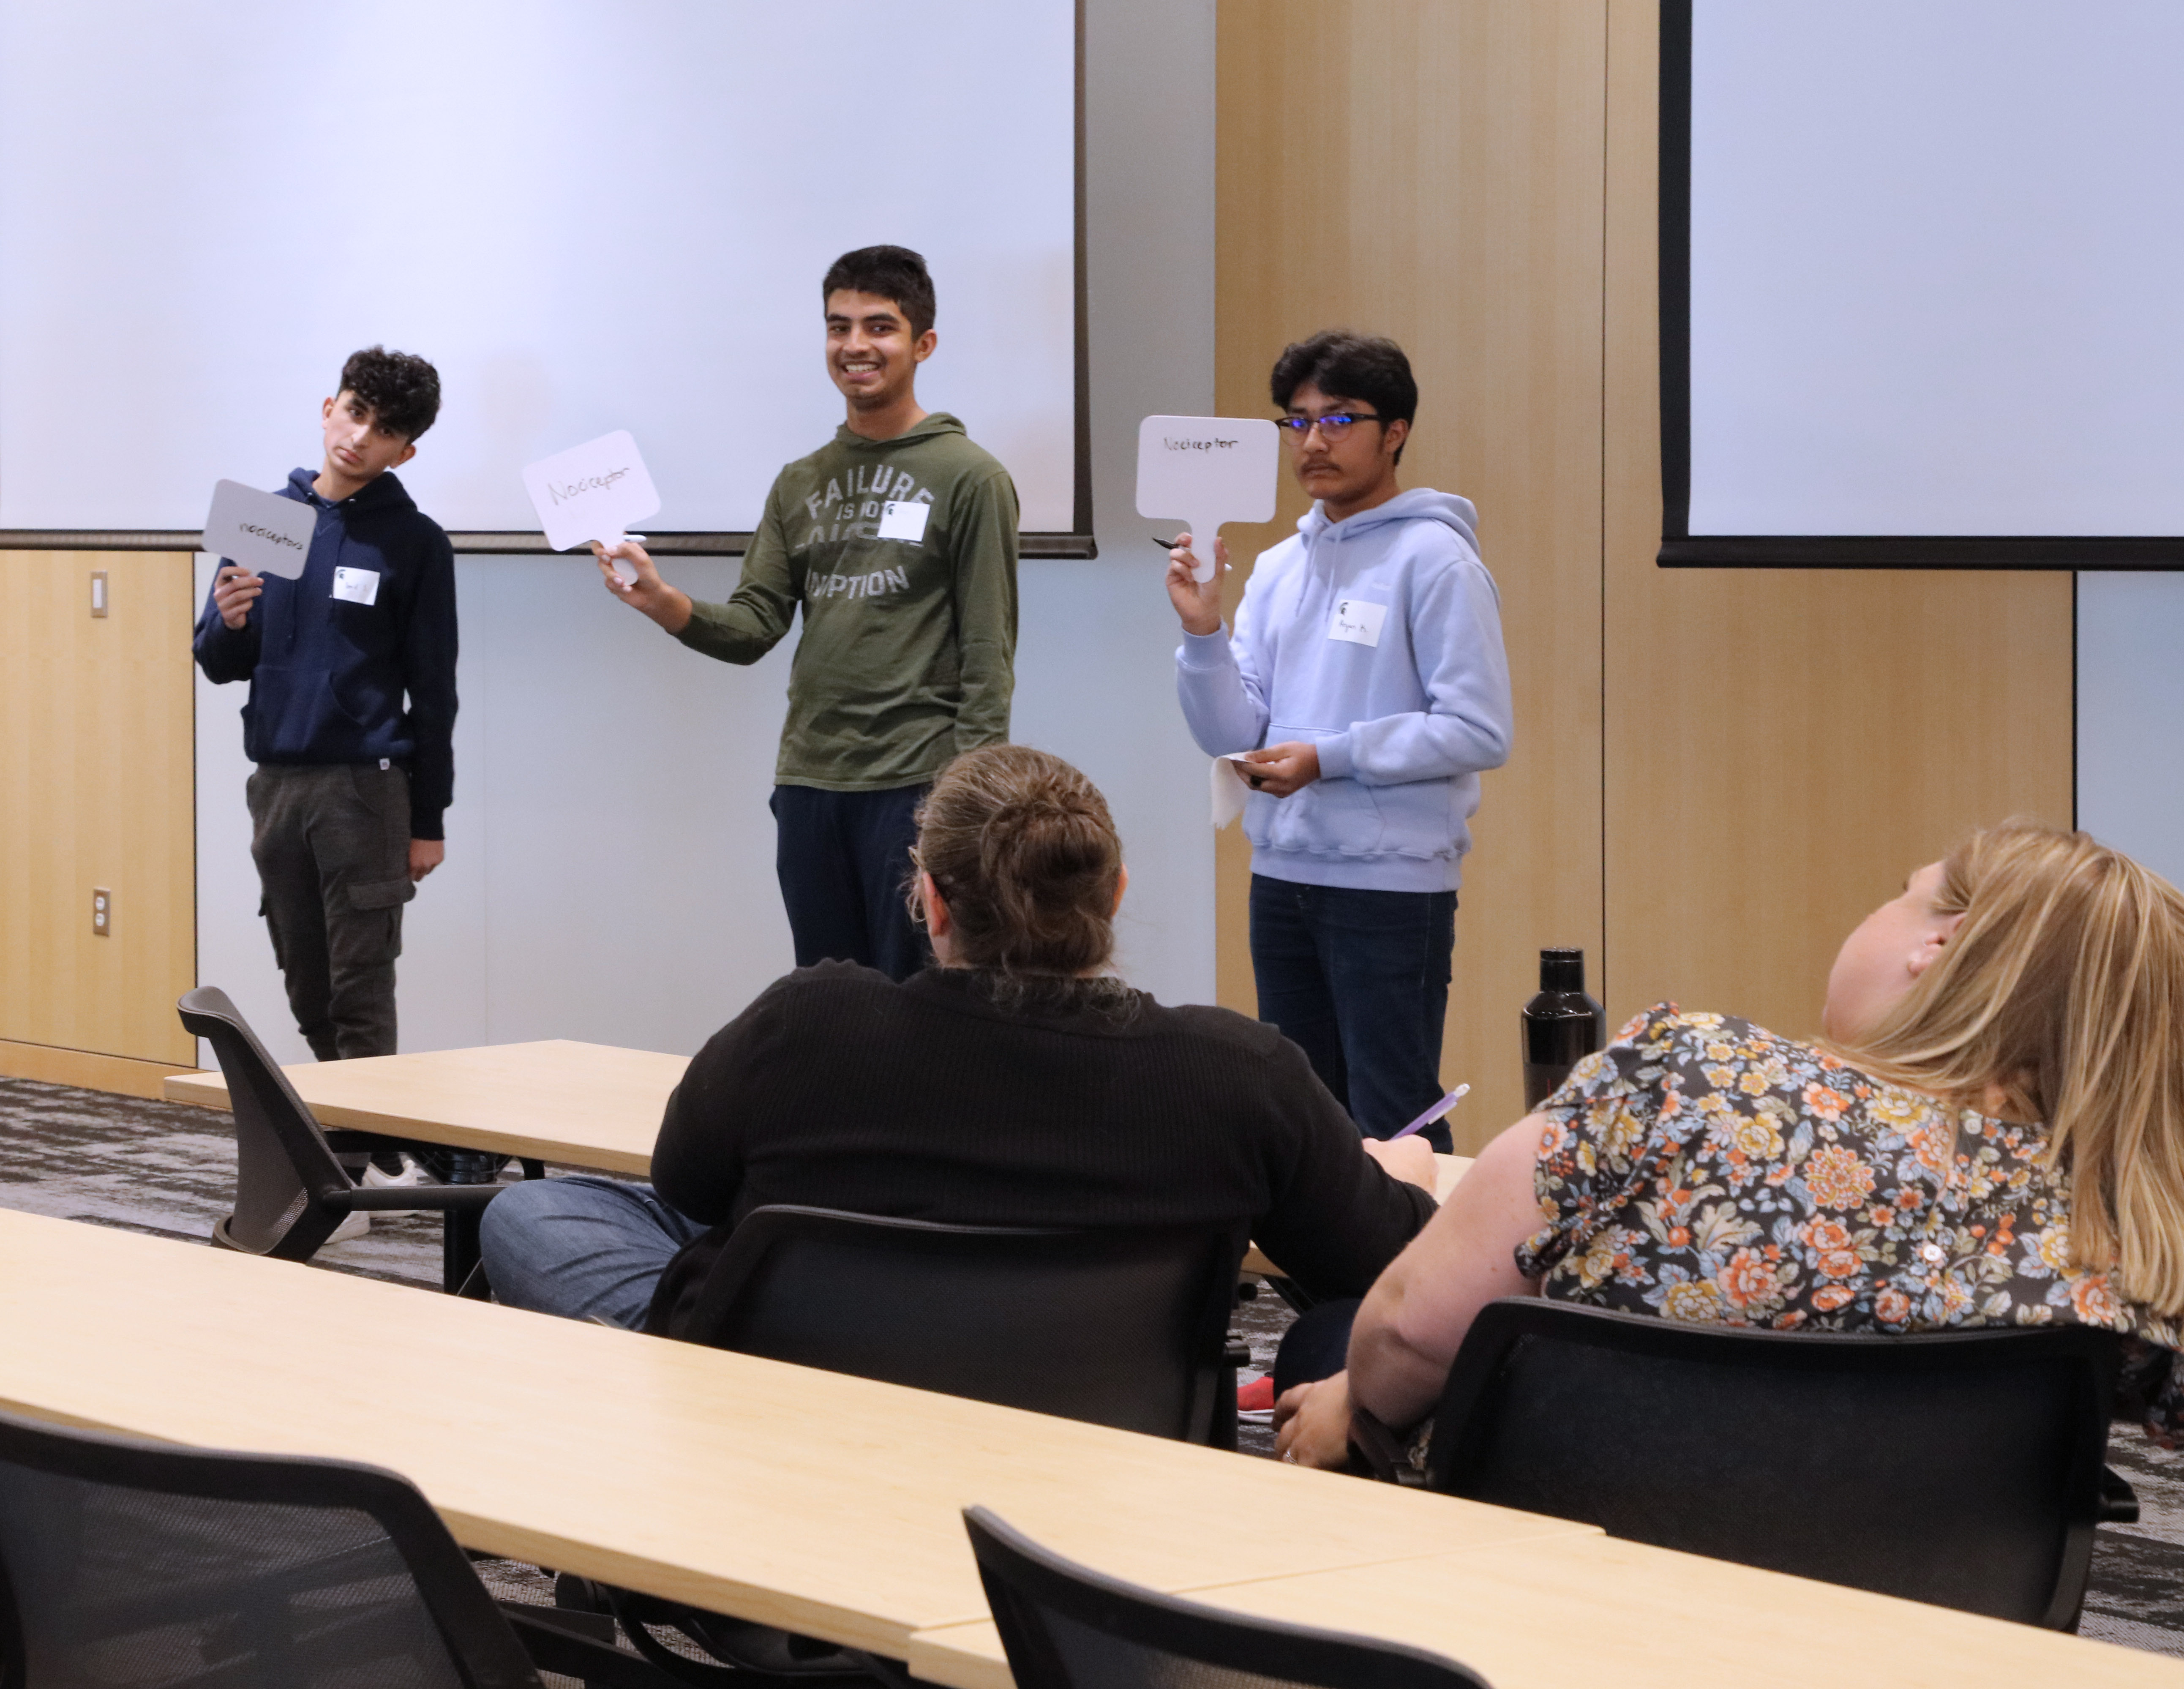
x=1366, y=680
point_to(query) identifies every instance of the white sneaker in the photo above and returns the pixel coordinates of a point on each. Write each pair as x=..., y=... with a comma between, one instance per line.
x=356, y=1225
x=411, y=1173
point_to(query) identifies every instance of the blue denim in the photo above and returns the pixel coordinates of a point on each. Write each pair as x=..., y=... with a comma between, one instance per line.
x=580, y=1246
x=1358, y=980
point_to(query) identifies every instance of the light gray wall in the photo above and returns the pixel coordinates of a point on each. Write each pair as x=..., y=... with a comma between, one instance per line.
x=1096, y=672
x=610, y=871
x=2131, y=716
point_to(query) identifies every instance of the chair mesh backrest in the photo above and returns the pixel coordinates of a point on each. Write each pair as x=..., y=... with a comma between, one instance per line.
x=1961, y=1468
x=1120, y=1328
x=1067, y=1627
x=136, y=1577
x=281, y=1155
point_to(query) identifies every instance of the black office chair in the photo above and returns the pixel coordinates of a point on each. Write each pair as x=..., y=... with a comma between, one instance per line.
x=126, y=1562
x=1963, y=1468
x=290, y=1187
x=1123, y=1328
x=1066, y=1626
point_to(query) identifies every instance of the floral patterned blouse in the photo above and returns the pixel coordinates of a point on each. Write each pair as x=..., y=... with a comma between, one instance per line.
x=1702, y=1169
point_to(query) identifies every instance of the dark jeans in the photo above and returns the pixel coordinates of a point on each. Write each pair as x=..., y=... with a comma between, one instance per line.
x=1358, y=980
x=332, y=849
x=844, y=861
x=1317, y=1346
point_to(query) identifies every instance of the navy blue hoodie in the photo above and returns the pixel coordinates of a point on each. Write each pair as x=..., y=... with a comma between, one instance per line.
x=327, y=675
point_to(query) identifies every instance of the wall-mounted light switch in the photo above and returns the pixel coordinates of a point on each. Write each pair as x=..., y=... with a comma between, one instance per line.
x=101, y=912
x=98, y=592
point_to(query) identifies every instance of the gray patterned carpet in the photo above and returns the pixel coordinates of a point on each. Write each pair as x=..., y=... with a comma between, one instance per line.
x=168, y=1169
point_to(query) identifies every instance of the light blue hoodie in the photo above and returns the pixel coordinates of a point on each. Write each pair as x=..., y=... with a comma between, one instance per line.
x=1404, y=726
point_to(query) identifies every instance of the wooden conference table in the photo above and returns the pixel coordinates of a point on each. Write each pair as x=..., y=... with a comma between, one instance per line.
x=576, y=1105
x=832, y=1505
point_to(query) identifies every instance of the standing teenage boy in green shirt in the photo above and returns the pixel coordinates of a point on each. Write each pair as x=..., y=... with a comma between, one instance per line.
x=899, y=540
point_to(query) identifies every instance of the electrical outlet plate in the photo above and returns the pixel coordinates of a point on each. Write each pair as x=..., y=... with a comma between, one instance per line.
x=98, y=592
x=102, y=912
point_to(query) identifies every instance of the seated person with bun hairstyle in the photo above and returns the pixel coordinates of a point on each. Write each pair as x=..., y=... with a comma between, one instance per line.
x=1990, y=1133
x=1014, y=1083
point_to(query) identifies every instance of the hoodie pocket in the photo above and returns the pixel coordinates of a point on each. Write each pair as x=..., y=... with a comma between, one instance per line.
x=295, y=716
x=1338, y=816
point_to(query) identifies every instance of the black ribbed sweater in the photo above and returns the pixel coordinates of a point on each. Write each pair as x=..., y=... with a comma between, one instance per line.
x=840, y=1089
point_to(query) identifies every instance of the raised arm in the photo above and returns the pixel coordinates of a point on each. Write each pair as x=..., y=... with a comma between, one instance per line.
x=752, y=622
x=225, y=641
x=1218, y=674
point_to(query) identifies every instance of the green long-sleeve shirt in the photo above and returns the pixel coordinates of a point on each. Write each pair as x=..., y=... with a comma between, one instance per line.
x=909, y=646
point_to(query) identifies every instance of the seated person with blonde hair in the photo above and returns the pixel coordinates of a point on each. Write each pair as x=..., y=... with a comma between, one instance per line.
x=1991, y=1134
x=1017, y=1082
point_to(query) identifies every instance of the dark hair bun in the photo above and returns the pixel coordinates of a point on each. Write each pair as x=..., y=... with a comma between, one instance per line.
x=1023, y=848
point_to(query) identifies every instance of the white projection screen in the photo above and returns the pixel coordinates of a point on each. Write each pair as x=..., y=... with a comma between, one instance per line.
x=1922, y=274
x=590, y=216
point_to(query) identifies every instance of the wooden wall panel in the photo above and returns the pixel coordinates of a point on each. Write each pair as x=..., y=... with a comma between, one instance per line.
x=1783, y=747
x=1717, y=773
x=119, y=1075
x=1435, y=172
x=97, y=770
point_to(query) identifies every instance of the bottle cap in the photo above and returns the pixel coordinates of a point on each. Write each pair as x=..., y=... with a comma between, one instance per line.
x=1562, y=970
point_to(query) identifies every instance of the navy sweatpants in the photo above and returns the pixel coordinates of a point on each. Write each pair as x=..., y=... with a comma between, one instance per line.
x=844, y=861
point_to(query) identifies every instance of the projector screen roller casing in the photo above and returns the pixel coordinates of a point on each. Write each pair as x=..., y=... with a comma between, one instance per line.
x=588, y=218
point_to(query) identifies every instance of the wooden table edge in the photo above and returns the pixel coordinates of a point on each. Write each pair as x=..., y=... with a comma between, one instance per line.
x=1543, y=1527
x=209, y=1090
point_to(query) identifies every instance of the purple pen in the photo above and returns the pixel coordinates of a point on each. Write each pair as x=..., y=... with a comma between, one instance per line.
x=1434, y=1113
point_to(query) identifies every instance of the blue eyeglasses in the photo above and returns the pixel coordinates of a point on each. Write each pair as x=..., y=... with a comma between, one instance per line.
x=1331, y=427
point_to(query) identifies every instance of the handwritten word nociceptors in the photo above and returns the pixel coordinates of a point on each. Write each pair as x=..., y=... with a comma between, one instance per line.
x=268, y=534
x=589, y=483
x=1174, y=445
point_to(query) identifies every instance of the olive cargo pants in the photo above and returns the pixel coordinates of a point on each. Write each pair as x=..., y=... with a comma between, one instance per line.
x=332, y=849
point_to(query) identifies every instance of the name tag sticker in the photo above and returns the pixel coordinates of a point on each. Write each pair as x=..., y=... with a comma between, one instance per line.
x=358, y=586
x=1357, y=622
x=904, y=519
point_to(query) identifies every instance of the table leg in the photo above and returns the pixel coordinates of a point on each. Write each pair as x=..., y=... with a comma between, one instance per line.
x=458, y=1227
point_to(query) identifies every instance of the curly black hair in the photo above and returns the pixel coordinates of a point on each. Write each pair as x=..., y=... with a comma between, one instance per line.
x=402, y=389
x=886, y=273
x=1345, y=365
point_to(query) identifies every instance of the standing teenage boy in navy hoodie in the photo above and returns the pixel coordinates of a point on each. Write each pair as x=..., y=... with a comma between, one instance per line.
x=352, y=708
x=1366, y=679
x=910, y=627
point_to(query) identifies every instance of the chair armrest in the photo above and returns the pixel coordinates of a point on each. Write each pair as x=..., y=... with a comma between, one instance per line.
x=570, y=1643
x=2119, y=1504
x=1380, y=1452
x=399, y=1197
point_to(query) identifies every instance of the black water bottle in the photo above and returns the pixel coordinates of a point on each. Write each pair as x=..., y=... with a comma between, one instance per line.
x=1562, y=1026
